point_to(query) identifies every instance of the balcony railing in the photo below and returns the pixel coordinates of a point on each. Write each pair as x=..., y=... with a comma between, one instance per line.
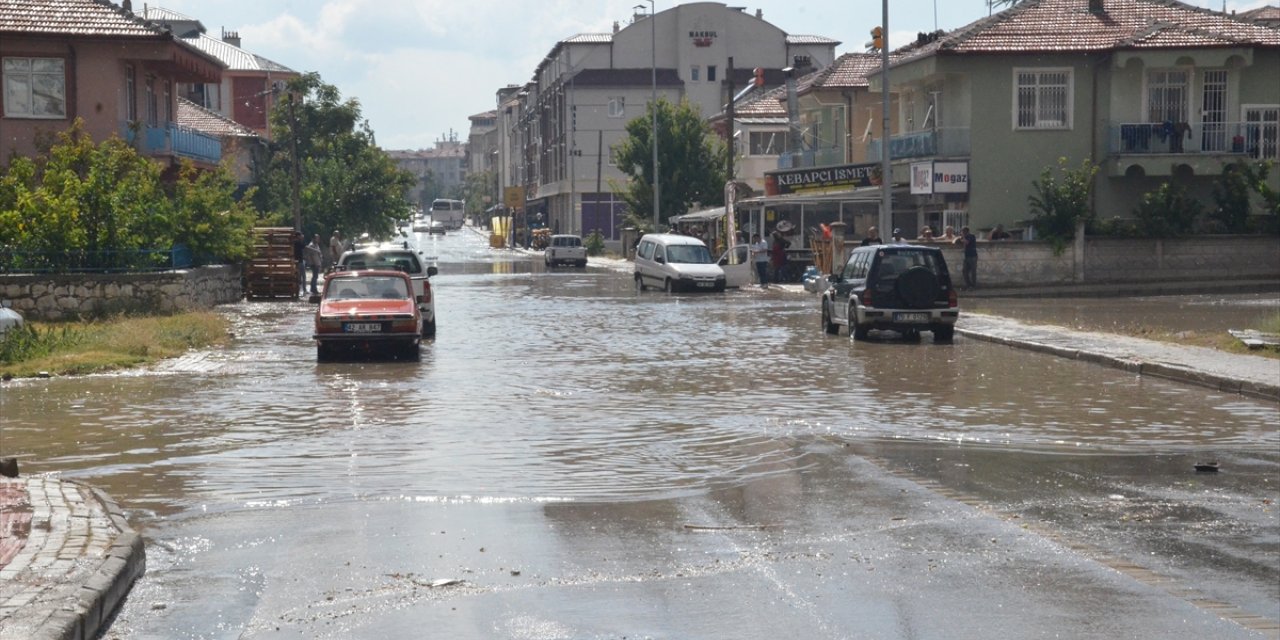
x=172, y=139
x=810, y=158
x=1251, y=139
x=942, y=141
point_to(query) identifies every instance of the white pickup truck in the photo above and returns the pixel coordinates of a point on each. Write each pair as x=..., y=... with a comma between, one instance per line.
x=565, y=249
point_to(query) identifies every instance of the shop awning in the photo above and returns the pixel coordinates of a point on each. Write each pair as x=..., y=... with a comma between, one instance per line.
x=703, y=215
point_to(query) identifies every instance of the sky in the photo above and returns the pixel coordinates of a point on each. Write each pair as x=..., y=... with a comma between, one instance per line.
x=419, y=68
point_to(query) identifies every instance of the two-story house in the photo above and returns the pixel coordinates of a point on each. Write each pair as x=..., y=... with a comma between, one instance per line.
x=250, y=85
x=67, y=59
x=1150, y=90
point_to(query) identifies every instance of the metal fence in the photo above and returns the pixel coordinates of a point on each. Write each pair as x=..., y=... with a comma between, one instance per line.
x=131, y=261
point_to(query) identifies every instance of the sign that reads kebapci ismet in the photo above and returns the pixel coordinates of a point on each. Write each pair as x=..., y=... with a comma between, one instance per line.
x=821, y=179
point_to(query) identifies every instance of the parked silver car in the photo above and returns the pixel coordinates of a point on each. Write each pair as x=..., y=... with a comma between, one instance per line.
x=565, y=249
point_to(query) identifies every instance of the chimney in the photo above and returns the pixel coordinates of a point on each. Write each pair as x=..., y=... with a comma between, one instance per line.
x=127, y=6
x=760, y=13
x=615, y=26
x=1095, y=6
x=231, y=37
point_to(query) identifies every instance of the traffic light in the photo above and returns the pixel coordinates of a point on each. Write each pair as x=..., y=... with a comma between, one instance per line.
x=877, y=38
x=759, y=77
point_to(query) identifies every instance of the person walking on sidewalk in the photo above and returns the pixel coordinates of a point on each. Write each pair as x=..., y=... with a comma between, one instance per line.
x=760, y=254
x=313, y=255
x=970, y=242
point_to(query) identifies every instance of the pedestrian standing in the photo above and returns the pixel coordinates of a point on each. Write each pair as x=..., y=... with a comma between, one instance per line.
x=970, y=242
x=778, y=253
x=873, y=237
x=313, y=255
x=760, y=253
x=299, y=248
x=336, y=246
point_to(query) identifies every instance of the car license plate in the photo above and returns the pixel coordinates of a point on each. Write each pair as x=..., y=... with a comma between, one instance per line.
x=910, y=317
x=706, y=285
x=362, y=327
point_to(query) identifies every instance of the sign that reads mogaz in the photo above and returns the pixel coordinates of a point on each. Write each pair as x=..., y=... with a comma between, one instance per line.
x=845, y=176
x=939, y=177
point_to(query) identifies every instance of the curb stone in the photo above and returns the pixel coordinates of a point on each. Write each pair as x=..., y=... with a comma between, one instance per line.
x=76, y=568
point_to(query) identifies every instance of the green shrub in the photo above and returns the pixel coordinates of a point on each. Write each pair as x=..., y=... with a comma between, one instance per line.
x=1167, y=212
x=27, y=342
x=1060, y=203
x=594, y=243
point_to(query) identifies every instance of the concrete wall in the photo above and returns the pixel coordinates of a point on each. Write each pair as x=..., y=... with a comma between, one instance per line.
x=1117, y=260
x=67, y=297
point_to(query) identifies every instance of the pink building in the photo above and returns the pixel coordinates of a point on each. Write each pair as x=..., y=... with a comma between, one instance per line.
x=90, y=59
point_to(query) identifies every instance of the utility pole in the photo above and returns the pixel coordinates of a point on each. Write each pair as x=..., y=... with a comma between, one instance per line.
x=886, y=166
x=653, y=102
x=295, y=170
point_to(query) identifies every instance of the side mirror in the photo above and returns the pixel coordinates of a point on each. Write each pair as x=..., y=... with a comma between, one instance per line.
x=660, y=260
x=723, y=262
x=432, y=270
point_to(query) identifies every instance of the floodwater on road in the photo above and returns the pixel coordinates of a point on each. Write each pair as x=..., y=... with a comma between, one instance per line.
x=565, y=387
x=1201, y=313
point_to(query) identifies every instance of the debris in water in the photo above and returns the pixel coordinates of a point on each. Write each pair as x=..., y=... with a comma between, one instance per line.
x=441, y=582
x=1206, y=467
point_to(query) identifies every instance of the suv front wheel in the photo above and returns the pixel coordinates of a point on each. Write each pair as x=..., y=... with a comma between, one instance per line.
x=944, y=332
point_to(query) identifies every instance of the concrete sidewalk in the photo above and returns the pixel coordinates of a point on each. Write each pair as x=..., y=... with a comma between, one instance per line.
x=67, y=559
x=1248, y=375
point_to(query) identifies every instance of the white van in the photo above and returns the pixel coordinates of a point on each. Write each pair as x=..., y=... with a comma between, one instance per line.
x=450, y=213
x=676, y=263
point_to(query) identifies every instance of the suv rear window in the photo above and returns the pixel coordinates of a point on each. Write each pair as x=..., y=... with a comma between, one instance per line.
x=894, y=262
x=404, y=261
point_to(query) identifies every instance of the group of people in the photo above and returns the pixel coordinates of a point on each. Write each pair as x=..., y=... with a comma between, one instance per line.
x=317, y=256
x=772, y=253
x=965, y=239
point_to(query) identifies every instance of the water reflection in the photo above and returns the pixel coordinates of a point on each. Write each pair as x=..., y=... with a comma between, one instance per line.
x=567, y=385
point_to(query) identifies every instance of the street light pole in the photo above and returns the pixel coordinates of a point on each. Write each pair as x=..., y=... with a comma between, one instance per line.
x=653, y=106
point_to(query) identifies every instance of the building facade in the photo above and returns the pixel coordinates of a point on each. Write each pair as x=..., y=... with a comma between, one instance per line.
x=566, y=121
x=99, y=62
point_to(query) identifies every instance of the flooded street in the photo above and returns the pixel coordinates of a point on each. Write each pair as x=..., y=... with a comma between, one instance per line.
x=589, y=462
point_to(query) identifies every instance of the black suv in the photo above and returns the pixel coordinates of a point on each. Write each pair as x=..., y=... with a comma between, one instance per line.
x=901, y=287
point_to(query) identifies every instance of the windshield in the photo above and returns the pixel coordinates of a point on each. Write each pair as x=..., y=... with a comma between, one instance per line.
x=367, y=287
x=688, y=254
x=404, y=261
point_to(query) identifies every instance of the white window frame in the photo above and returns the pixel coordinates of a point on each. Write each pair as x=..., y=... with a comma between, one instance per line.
x=613, y=157
x=24, y=106
x=617, y=106
x=1245, y=109
x=1046, y=124
x=779, y=140
x=1187, y=89
x=695, y=73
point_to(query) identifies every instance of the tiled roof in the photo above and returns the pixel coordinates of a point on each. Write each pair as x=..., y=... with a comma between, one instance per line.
x=161, y=14
x=798, y=39
x=235, y=58
x=766, y=104
x=848, y=71
x=201, y=119
x=492, y=113
x=1262, y=13
x=73, y=17
x=1069, y=26
x=590, y=38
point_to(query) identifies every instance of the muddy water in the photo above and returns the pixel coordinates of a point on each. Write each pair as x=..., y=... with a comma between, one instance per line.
x=568, y=385
x=1199, y=313
x=557, y=442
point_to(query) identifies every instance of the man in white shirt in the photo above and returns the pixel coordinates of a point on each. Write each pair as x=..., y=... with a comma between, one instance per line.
x=760, y=253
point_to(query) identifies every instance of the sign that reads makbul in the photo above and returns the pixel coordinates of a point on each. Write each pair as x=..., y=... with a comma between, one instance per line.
x=820, y=179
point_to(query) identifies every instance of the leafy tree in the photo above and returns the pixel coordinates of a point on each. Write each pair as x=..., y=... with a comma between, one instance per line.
x=691, y=163
x=475, y=190
x=346, y=182
x=1235, y=204
x=1167, y=212
x=1061, y=203
x=79, y=196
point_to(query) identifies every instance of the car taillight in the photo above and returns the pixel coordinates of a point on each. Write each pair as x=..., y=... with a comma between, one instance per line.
x=951, y=298
x=866, y=297
x=426, y=292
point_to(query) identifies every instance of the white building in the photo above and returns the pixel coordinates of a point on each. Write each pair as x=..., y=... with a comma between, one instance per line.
x=574, y=111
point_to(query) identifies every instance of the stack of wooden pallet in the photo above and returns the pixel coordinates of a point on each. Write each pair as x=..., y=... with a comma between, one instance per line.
x=272, y=273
